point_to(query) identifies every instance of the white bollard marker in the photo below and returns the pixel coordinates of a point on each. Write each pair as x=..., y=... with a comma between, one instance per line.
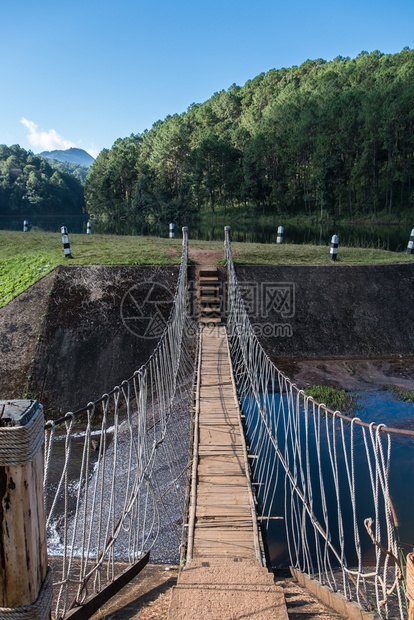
x=25, y=226
x=334, y=247
x=65, y=241
x=172, y=227
x=280, y=232
x=410, y=246
x=88, y=228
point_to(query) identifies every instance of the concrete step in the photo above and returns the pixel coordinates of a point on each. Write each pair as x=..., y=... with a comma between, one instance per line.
x=208, y=272
x=209, y=282
x=210, y=302
x=204, y=320
x=209, y=291
x=210, y=313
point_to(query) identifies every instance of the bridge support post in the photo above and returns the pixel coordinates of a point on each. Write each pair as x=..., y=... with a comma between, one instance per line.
x=226, y=234
x=410, y=584
x=25, y=580
x=185, y=234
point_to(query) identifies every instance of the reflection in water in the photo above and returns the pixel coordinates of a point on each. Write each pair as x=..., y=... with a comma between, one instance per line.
x=380, y=237
x=393, y=238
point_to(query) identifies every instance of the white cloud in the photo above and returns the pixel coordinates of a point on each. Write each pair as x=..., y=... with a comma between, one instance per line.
x=93, y=150
x=45, y=140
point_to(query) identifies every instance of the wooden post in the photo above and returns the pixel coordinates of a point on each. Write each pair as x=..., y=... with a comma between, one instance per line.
x=185, y=234
x=410, y=584
x=24, y=576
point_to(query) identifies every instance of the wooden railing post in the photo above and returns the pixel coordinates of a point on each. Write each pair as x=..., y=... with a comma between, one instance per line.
x=226, y=234
x=185, y=234
x=25, y=580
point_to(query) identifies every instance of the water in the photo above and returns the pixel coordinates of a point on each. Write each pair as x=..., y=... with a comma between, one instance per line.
x=393, y=238
x=52, y=223
x=379, y=407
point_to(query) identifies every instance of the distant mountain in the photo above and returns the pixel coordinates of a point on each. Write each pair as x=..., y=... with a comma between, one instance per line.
x=73, y=156
x=81, y=172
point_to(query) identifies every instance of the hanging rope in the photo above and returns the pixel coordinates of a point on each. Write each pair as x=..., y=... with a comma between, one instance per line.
x=121, y=463
x=325, y=472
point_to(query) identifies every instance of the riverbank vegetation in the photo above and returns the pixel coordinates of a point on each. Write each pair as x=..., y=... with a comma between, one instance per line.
x=401, y=394
x=27, y=257
x=326, y=139
x=336, y=399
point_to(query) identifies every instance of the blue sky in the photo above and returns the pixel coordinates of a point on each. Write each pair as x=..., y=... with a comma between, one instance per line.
x=84, y=73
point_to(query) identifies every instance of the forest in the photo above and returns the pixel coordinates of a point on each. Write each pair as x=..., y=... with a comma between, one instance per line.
x=80, y=172
x=30, y=186
x=323, y=139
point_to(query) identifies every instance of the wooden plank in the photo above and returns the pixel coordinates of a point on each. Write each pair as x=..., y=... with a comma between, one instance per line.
x=95, y=602
x=223, y=524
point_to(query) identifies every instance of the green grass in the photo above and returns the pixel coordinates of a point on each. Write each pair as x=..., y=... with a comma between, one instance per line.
x=336, y=399
x=27, y=257
x=291, y=254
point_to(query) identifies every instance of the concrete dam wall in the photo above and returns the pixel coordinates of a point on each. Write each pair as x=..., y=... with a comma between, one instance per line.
x=82, y=330
x=331, y=311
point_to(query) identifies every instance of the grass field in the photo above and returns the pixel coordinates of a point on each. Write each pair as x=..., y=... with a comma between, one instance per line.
x=27, y=257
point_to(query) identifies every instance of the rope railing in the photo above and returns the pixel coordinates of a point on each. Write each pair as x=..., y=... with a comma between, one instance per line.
x=324, y=480
x=115, y=469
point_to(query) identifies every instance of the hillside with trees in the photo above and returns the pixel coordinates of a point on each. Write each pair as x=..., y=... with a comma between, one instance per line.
x=30, y=186
x=71, y=155
x=325, y=138
x=78, y=171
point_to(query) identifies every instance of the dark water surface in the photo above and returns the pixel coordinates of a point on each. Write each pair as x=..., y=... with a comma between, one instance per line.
x=380, y=407
x=393, y=238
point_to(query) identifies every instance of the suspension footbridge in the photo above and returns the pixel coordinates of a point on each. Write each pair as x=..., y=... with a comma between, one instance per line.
x=263, y=455
x=224, y=572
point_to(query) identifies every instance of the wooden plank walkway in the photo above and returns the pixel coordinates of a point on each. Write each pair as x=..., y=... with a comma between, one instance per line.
x=223, y=514
x=224, y=577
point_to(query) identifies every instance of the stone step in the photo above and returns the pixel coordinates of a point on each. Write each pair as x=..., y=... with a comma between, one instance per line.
x=208, y=272
x=209, y=282
x=210, y=302
x=208, y=291
x=210, y=312
x=210, y=321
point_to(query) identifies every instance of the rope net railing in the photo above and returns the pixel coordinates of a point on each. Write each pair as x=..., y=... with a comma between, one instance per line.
x=325, y=481
x=115, y=471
